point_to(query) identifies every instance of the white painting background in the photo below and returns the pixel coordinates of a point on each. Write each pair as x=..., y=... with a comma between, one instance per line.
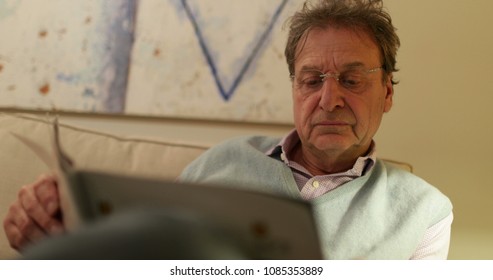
x=170, y=70
x=65, y=55
x=85, y=56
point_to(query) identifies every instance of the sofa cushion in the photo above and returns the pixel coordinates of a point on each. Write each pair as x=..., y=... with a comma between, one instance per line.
x=19, y=165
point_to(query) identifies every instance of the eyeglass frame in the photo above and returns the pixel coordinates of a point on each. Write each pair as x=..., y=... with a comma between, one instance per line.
x=336, y=75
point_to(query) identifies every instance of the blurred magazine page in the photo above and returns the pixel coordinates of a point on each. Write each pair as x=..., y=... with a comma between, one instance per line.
x=275, y=227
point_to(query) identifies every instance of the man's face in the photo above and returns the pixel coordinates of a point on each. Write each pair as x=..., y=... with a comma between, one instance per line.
x=334, y=117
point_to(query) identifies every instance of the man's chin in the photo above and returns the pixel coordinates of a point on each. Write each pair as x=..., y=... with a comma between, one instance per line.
x=331, y=142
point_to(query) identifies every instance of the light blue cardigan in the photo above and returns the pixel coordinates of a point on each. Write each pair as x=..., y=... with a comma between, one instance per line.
x=381, y=215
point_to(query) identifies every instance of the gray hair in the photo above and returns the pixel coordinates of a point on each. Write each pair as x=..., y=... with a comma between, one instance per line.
x=368, y=15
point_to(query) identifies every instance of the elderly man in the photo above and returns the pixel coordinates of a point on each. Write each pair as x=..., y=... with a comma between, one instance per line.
x=341, y=57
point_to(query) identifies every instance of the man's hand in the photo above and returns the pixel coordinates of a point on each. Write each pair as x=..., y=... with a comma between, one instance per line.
x=35, y=214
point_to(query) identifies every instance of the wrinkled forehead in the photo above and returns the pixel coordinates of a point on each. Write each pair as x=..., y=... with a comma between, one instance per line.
x=337, y=47
x=351, y=66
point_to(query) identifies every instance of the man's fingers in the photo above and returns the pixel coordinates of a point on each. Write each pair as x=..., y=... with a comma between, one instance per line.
x=15, y=237
x=34, y=211
x=28, y=228
x=34, y=214
x=19, y=228
x=46, y=192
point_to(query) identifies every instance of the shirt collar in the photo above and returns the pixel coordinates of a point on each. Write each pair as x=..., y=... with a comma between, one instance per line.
x=281, y=151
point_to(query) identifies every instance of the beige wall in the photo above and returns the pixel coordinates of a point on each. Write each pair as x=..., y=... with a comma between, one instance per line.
x=441, y=121
x=442, y=118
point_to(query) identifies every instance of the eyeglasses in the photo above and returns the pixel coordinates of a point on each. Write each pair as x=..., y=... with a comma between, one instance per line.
x=354, y=79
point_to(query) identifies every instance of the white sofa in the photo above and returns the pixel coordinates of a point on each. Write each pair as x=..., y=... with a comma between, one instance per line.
x=19, y=165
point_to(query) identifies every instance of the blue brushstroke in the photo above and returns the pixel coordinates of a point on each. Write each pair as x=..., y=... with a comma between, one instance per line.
x=88, y=92
x=226, y=94
x=68, y=78
x=118, y=48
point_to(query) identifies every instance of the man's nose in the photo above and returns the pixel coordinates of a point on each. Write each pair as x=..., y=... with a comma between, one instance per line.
x=331, y=95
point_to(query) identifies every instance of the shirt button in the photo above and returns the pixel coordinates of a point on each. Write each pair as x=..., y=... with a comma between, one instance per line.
x=316, y=184
x=283, y=157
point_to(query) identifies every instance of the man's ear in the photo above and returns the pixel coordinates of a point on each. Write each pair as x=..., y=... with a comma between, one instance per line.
x=389, y=95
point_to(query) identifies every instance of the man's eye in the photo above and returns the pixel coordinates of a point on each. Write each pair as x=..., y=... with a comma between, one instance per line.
x=351, y=80
x=312, y=81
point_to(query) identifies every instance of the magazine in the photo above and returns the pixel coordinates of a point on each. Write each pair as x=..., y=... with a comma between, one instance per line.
x=276, y=227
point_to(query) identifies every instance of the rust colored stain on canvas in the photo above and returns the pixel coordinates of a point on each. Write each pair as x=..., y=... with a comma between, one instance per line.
x=42, y=33
x=45, y=89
